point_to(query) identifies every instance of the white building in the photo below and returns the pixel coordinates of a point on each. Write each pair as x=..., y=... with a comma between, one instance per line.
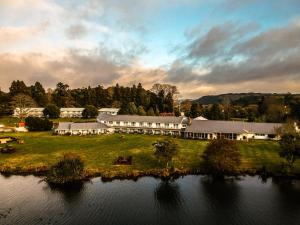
x=71, y=112
x=233, y=130
x=26, y=112
x=82, y=128
x=168, y=125
x=109, y=111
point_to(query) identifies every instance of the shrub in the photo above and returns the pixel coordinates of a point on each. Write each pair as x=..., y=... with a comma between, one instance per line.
x=67, y=170
x=51, y=111
x=38, y=124
x=222, y=157
x=90, y=111
x=290, y=147
x=165, y=150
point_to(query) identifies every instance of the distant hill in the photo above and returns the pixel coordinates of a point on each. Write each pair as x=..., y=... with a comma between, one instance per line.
x=237, y=98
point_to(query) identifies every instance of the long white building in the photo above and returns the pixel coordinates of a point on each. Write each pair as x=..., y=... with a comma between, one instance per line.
x=174, y=126
x=71, y=112
x=233, y=130
x=109, y=111
x=71, y=128
x=167, y=125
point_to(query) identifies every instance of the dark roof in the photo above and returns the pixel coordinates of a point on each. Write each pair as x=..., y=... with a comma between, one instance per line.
x=80, y=126
x=238, y=127
x=136, y=118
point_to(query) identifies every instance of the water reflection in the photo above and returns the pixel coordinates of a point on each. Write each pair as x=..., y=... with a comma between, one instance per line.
x=167, y=194
x=71, y=193
x=222, y=198
x=221, y=193
x=288, y=196
x=187, y=201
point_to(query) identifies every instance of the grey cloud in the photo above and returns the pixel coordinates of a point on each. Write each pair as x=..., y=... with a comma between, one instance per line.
x=76, y=31
x=218, y=40
x=75, y=68
x=274, y=71
x=274, y=42
x=180, y=72
x=233, y=56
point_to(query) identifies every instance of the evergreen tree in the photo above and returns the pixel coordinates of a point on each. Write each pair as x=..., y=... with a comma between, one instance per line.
x=62, y=96
x=196, y=110
x=139, y=100
x=295, y=110
x=4, y=104
x=161, y=100
x=132, y=110
x=51, y=111
x=150, y=112
x=116, y=93
x=90, y=111
x=38, y=94
x=157, y=111
x=215, y=112
x=168, y=103
x=18, y=87
x=141, y=111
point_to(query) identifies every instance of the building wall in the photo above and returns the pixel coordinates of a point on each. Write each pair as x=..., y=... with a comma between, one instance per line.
x=244, y=136
x=142, y=125
x=71, y=114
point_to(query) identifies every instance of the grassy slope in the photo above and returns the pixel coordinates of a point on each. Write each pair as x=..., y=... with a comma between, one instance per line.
x=13, y=121
x=99, y=152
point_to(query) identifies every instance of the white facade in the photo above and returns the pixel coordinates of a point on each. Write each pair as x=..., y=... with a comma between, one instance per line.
x=26, y=112
x=143, y=124
x=109, y=111
x=71, y=128
x=71, y=112
x=232, y=130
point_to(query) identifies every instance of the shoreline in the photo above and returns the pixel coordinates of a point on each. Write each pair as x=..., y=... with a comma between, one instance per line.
x=163, y=174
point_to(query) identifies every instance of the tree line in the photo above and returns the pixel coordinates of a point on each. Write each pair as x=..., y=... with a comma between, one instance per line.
x=269, y=108
x=161, y=99
x=130, y=100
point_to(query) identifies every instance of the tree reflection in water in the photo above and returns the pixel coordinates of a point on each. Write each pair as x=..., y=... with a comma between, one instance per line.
x=167, y=195
x=71, y=193
x=222, y=199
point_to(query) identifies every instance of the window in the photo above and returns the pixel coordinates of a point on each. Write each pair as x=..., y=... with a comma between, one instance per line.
x=167, y=125
x=110, y=122
x=157, y=124
x=125, y=123
x=149, y=124
x=176, y=126
x=133, y=123
x=118, y=123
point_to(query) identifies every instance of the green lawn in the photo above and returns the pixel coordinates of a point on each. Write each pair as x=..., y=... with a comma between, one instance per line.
x=13, y=121
x=99, y=152
x=9, y=121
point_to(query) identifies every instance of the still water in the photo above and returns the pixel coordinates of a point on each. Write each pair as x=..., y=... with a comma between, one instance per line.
x=188, y=200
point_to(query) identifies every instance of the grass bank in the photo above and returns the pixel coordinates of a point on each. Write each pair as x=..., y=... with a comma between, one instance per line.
x=13, y=121
x=42, y=149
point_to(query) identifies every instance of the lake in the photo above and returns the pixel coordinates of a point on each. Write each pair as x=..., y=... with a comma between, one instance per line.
x=187, y=200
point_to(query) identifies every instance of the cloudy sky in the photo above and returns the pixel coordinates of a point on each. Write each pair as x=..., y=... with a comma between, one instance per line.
x=202, y=46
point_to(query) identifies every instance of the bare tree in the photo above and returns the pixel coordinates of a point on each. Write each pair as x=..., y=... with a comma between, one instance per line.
x=167, y=88
x=22, y=104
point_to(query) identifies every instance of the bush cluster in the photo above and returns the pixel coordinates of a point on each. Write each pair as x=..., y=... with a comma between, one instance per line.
x=38, y=124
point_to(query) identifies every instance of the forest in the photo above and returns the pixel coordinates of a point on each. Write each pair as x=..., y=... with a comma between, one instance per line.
x=161, y=99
